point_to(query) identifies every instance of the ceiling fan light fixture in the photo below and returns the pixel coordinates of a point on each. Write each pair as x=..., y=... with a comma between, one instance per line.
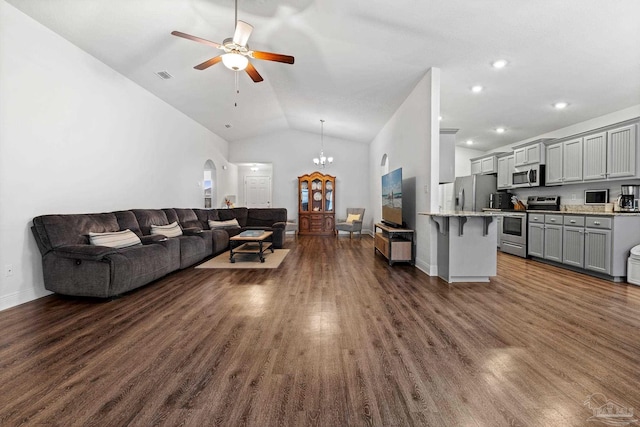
x=235, y=61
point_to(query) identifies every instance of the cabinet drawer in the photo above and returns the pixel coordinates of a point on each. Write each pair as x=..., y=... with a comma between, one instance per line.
x=598, y=222
x=537, y=218
x=575, y=221
x=553, y=219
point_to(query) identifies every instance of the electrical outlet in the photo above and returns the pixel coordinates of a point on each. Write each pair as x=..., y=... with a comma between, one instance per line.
x=8, y=270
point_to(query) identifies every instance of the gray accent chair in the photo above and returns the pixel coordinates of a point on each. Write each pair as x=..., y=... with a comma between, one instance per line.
x=351, y=227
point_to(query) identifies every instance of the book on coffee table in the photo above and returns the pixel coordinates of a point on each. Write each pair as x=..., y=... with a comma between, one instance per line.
x=251, y=233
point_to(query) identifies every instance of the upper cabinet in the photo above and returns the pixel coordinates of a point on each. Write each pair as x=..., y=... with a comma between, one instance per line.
x=485, y=165
x=564, y=162
x=506, y=166
x=529, y=153
x=607, y=154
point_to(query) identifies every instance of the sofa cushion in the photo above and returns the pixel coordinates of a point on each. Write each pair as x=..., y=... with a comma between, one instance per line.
x=187, y=218
x=148, y=217
x=170, y=230
x=54, y=231
x=206, y=215
x=115, y=239
x=231, y=223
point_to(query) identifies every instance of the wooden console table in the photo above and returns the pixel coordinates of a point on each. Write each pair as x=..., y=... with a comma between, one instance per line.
x=395, y=244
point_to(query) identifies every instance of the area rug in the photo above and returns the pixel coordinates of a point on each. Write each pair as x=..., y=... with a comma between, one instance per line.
x=243, y=261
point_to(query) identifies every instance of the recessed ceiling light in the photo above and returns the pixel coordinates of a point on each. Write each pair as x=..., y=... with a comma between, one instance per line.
x=477, y=89
x=560, y=105
x=469, y=142
x=500, y=63
x=500, y=130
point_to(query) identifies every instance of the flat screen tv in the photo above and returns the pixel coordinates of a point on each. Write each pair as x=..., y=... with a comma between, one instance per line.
x=392, y=198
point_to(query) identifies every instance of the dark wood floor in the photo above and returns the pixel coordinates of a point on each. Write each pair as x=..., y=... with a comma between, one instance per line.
x=334, y=337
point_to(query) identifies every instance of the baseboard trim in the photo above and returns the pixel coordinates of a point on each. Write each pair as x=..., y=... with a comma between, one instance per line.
x=21, y=297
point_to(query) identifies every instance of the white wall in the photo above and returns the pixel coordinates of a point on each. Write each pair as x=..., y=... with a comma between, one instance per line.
x=410, y=139
x=291, y=153
x=76, y=137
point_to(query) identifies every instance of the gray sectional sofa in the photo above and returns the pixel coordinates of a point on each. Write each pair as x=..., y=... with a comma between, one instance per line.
x=73, y=266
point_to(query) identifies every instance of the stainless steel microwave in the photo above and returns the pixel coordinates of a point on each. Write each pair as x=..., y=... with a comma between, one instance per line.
x=529, y=176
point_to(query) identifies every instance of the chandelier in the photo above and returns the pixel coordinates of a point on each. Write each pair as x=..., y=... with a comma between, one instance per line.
x=322, y=160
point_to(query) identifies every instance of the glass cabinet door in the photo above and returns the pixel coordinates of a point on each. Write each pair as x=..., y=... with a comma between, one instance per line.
x=304, y=196
x=316, y=191
x=328, y=196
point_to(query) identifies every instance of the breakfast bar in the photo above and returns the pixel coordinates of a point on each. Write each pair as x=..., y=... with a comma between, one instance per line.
x=467, y=249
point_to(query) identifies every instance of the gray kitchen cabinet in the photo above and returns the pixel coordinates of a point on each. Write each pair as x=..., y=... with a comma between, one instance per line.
x=564, y=162
x=572, y=160
x=597, y=250
x=553, y=237
x=505, y=172
x=529, y=153
x=499, y=225
x=594, y=164
x=476, y=167
x=535, y=245
x=573, y=241
x=621, y=152
x=486, y=164
x=554, y=172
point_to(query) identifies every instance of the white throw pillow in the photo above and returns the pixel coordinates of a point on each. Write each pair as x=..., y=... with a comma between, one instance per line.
x=115, y=239
x=171, y=230
x=231, y=223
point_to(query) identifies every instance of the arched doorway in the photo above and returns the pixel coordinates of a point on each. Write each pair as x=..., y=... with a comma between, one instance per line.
x=209, y=184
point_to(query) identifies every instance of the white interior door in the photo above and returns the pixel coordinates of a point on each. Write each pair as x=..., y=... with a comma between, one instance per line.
x=257, y=190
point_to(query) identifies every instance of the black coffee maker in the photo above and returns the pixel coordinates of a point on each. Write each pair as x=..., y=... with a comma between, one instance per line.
x=500, y=200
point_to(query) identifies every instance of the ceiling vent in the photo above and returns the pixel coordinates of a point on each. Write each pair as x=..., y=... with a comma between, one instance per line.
x=164, y=75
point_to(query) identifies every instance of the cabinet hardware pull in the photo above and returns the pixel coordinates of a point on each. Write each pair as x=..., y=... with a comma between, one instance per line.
x=572, y=221
x=596, y=222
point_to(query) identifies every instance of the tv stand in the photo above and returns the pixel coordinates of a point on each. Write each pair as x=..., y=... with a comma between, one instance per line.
x=394, y=225
x=395, y=244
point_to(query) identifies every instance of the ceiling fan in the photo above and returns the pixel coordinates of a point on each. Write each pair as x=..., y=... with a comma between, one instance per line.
x=236, y=51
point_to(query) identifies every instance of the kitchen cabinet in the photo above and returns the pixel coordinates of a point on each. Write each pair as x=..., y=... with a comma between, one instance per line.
x=621, y=152
x=553, y=238
x=597, y=250
x=487, y=164
x=610, y=154
x=553, y=169
x=506, y=166
x=594, y=164
x=564, y=162
x=535, y=245
x=573, y=241
x=530, y=153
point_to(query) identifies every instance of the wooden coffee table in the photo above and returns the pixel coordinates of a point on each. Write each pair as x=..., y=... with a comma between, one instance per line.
x=250, y=242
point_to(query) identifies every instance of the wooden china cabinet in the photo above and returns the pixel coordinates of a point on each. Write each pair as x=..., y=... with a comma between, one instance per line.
x=316, y=204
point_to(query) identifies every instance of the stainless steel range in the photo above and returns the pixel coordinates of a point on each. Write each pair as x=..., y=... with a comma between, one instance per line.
x=513, y=233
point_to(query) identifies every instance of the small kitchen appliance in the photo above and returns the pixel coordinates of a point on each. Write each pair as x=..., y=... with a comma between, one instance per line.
x=500, y=200
x=543, y=203
x=629, y=198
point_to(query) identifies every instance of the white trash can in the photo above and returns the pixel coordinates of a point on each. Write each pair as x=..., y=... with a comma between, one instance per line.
x=633, y=266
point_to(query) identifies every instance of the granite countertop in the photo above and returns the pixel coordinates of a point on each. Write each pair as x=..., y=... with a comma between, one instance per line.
x=458, y=213
x=570, y=211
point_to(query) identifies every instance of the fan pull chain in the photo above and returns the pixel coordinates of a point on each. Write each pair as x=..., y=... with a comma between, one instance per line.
x=237, y=90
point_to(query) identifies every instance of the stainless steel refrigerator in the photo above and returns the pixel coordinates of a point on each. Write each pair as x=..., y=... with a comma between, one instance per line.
x=472, y=192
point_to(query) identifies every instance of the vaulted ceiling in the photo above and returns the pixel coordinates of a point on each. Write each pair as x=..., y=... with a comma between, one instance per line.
x=356, y=61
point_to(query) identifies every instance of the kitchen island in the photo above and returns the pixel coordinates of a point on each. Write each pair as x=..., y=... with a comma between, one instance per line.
x=467, y=249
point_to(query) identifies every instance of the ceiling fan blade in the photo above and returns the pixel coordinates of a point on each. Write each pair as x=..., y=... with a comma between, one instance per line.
x=268, y=56
x=243, y=31
x=209, y=63
x=196, y=39
x=253, y=73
